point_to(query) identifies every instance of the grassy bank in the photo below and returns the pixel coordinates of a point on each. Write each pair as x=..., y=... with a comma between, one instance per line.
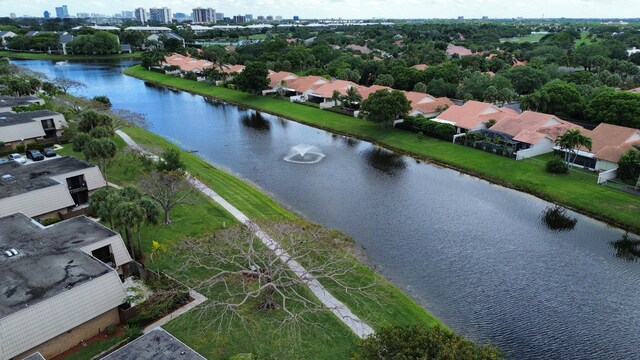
x=388, y=306
x=44, y=56
x=577, y=190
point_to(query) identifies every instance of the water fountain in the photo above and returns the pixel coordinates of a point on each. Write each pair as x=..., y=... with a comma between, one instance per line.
x=304, y=154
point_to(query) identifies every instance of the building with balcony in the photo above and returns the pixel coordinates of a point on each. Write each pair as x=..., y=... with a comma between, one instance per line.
x=31, y=126
x=55, y=188
x=58, y=284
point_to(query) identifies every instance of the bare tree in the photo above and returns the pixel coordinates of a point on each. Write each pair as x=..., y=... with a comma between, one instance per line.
x=244, y=276
x=130, y=118
x=67, y=84
x=168, y=189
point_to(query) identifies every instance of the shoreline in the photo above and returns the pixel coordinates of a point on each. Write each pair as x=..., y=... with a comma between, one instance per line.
x=44, y=56
x=377, y=137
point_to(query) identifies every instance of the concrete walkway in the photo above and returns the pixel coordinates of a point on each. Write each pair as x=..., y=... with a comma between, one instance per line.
x=198, y=299
x=343, y=313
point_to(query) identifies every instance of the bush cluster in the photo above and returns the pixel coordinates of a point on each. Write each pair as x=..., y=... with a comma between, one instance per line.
x=557, y=166
x=432, y=128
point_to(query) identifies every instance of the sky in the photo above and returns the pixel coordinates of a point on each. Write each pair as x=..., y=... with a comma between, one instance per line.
x=350, y=9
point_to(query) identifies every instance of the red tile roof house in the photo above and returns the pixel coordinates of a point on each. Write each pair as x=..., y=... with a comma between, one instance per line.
x=304, y=86
x=280, y=80
x=532, y=133
x=324, y=93
x=609, y=142
x=427, y=105
x=186, y=63
x=457, y=50
x=473, y=115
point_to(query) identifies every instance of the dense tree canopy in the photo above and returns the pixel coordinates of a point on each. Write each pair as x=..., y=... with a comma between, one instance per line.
x=101, y=42
x=615, y=107
x=253, y=78
x=384, y=107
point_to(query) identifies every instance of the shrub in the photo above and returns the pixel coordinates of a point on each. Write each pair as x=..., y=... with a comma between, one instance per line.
x=47, y=222
x=110, y=330
x=103, y=99
x=419, y=342
x=21, y=148
x=557, y=166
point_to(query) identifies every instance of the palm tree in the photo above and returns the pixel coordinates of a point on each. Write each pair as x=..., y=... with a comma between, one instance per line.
x=353, y=96
x=335, y=97
x=570, y=142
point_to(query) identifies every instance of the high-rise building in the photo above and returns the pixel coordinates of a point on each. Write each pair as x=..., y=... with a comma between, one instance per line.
x=141, y=15
x=62, y=12
x=219, y=16
x=296, y=18
x=161, y=15
x=238, y=19
x=203, y=16
x=180, y=17
x=46, y=14
x=248, y=18
x=127, y=14
x=278, y=18
x=269, y=17
x=12, y=15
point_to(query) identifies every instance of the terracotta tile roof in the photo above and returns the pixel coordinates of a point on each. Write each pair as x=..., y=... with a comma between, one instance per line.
x=432, y=107
x=421, y=67
x=366, y=91
x=186, y=63
x=230, y=69
x=519, y=63
x=362, y=49
x=472, y=113
x=530, y=127
x=276, y=78
x=326, y=90
x=459, y=50
x=307, y=83
x=636, y=90
x=611, y=141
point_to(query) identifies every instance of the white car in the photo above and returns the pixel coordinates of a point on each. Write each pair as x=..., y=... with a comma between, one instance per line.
x=17, y=158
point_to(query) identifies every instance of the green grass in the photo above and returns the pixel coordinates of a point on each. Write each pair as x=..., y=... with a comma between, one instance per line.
x=584, y=39
x=577, y=190
x=43, y=56
x=532, y=38
x=96, y=348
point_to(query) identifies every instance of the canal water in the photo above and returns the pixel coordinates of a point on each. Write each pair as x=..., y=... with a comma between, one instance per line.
x=474, y=254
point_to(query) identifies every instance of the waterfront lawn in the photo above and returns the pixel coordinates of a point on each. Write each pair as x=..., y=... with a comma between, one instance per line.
x=576, y=190
x=44, y=56
x=388, y=306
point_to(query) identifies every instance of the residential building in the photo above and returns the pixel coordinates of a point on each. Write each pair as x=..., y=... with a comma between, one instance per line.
x=279, y=18
x=361, y=49
x=181, y=17
x=141, y=15
x=457, y=50
x=473, y=115
x=64, y=40
x=127, y=14
x=187, y=64
x=238, y=19
x=219, y=16
x=161, y=15
x=53, y=188
x=170, y=35
x=7, y=103
x=46, y=15
x=31, y=126
x=609, y=142
x=531, y=133
x=5, y=35
x=203, y=16
x=59, y=284
x=248, y=17
x=426, y=105
x=156, y=344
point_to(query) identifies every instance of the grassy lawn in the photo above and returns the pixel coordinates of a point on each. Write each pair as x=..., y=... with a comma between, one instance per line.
x=258, y=336
x=43, y=56
x=584, y=39
x=577, y=190
x=532, y=38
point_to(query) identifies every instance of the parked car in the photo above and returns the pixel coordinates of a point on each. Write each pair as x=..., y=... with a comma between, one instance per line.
x=35, y=155
x=48, y=152
x=17, y=158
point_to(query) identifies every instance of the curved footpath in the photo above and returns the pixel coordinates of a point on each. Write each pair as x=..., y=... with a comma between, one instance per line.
x=340, y=310
x=577, y=190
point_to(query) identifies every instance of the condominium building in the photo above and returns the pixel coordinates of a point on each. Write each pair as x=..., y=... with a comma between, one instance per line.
x=161, y=15
x=204, y=16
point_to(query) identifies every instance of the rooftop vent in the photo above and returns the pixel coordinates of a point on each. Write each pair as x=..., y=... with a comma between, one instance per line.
x=11, y=253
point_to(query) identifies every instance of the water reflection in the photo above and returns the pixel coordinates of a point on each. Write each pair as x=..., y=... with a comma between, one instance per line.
x=385, y=161
x=556, y=219
x=214, y=102
x=254, y=120
x=626, y=248
x=350, y=142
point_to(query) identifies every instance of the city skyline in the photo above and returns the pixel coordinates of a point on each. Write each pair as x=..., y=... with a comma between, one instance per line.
x=357, y=9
